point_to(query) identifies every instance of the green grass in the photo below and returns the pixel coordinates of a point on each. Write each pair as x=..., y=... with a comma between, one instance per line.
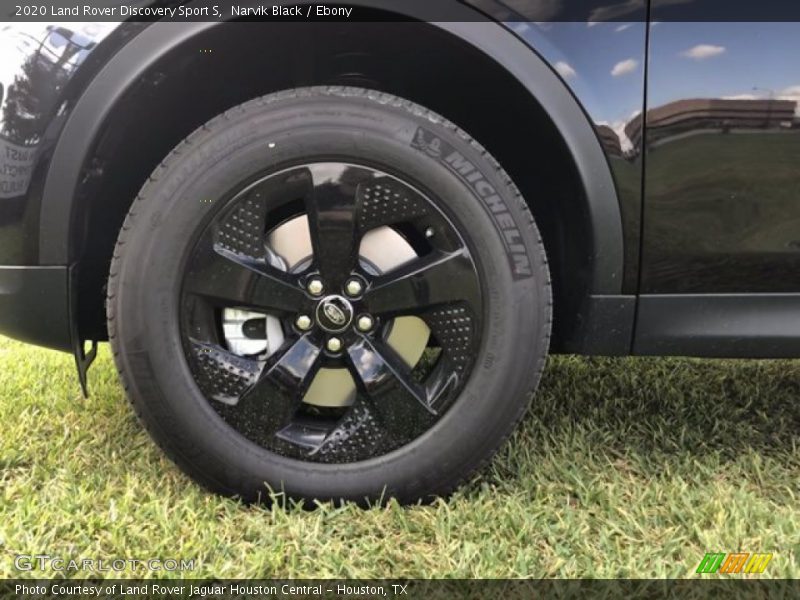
x=622, y=468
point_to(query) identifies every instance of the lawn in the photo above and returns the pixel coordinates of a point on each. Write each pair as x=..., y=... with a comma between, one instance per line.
x=622, y=468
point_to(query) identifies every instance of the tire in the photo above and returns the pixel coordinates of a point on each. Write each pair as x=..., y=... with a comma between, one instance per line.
x=193, y=245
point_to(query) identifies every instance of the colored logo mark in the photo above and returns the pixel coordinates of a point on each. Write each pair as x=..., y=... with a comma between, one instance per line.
x=736, y=562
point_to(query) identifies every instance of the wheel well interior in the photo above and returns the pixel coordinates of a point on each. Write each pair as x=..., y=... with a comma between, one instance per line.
x=228, y=65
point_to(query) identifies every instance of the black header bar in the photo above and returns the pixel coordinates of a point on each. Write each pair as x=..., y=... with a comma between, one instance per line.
x=398, y=10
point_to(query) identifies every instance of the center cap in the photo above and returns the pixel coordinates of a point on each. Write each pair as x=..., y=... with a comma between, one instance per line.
x=334, y=313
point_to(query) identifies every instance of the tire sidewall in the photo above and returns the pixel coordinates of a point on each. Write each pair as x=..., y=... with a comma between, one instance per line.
x=265, y=137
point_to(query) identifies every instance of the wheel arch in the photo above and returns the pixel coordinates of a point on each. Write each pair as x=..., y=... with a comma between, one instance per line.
x=579, y=217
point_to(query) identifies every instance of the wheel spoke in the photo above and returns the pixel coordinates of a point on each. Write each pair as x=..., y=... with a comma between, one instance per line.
x=435, y=279
x=398, y=400
x=332, y=204
x=275, y=397
x=284, y=382
x=358, y=435
x=454, y=329
x=235, y=280
x=385, y=201
x=222, y=375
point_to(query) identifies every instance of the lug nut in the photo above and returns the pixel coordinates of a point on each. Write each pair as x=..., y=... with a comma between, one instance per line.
x=315, y=287
x=354, y=287
x=303, y=322
x=334, y=344
x=365, y=323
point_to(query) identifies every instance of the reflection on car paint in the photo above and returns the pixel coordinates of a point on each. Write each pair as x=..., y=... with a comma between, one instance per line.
x=37, y=62
x=722, y=179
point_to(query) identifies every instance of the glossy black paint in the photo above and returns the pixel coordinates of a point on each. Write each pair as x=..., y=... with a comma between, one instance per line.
x=591, y=218
x=46, y=68
x=401, y=403
x=722, y=206
x=694, y=190
x=220, y=274
x=441, y=277
x=332, y=219
x=232, y=266
x=130, y=69
x=603, y=64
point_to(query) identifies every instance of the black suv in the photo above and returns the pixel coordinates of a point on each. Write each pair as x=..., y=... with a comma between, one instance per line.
x=331, y=257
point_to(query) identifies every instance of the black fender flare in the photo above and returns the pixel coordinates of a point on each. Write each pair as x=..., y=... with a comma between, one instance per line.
x=84, y=124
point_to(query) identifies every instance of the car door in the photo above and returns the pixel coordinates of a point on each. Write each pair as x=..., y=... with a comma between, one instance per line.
x=720, y=257
x=722, y=181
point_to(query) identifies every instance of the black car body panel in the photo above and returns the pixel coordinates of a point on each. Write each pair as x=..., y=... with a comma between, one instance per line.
x=643, y=109
x=48, y=67
x=723, y=143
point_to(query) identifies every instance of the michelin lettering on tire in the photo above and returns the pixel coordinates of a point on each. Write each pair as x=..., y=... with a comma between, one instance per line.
x=440, y=150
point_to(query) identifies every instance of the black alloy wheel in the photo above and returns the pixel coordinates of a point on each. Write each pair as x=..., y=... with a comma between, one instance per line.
x=332, y=293
x=335, y=310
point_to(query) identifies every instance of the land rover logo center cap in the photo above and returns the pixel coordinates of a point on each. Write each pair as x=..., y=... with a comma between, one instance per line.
x=334, y=314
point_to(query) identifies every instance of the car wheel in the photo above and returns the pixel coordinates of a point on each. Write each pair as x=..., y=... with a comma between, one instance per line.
x=331, y=293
